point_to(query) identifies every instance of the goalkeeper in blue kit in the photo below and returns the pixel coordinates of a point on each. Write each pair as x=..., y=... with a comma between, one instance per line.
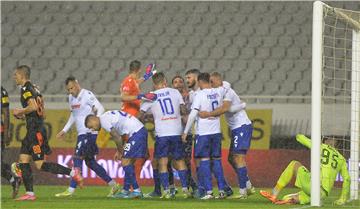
x=332, y=163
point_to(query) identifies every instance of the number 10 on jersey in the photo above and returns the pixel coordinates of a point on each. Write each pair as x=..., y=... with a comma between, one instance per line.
x=166, y=106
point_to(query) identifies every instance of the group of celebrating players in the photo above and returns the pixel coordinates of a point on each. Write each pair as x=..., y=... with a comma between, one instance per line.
x=174, y=110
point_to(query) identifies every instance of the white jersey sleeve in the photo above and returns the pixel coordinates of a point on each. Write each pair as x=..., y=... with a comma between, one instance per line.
x=145, y=106
x=236, y=119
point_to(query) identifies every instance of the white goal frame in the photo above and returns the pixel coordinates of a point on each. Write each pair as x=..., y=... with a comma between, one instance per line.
x=316, y=102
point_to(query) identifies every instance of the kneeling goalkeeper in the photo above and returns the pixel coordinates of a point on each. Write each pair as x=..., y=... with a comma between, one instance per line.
x=332, y=163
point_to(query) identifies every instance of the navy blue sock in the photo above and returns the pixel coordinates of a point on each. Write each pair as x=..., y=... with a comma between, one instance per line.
x=127, y=178
x=200, y=180
x=164, y=179
x=99, y=170
x=157, y=185
x=242, y=177
x=219, y=173
x=205, y=173
x=77, y=163
x=134, y=183
x=183, y=178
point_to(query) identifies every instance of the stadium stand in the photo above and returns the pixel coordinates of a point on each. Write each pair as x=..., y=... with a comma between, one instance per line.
x=262, y=48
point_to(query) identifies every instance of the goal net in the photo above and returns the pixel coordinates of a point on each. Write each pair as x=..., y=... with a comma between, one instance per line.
x=335, y=93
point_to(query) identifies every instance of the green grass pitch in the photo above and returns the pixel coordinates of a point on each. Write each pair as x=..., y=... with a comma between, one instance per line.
x=94, y=197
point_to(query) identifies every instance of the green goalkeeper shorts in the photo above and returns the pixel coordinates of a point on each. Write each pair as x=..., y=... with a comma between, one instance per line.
x=303, y=181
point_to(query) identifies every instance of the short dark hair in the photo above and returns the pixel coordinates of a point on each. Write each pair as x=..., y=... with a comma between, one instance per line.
x=158, y=78
x=25, y=70
x=134, y=65
x=204, y=77
x=68, y=79
x=88, y=117
x=175, y=77
x=193, y=71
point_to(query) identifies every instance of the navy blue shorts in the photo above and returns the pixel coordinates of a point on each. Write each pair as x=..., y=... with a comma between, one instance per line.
x=86, y=146
x=137, y=146
x=208, y=146
x=241, y=139
x=169, y=146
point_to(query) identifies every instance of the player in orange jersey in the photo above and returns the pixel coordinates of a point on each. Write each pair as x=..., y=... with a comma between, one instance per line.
x=129, y=95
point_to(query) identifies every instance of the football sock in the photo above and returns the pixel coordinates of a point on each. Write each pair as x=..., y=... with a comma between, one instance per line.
x=219, y=173
x=127, y=178
x=248, y=184
x=183, y=178
x=6, y=171
x=77, y=163
x=55, y=168
x=27, y=176
x=284, y=178
x=164, y=179
x=99, y=170
x=191, y=181
x=200, y=179
x=242, y=177
x=171, y=175
x=73, y=183
x=157, y=185
x=134, y=183
x=205, y=173
x=111, y=183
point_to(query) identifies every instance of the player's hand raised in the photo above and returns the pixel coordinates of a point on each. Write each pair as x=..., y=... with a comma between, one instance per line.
x=60, y=135
x=150, y=71
x=204, y=114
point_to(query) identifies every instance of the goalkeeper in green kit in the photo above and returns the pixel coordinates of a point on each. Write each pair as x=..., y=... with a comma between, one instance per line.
x=332, y=163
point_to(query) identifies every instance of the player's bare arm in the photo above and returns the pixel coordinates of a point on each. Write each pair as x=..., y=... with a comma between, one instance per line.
x=125, y=97
x=31, y=107
x=119, y=141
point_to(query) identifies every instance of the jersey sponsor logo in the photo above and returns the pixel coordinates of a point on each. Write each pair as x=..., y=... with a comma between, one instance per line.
x=170, y=118
x=27, y=94
x=75, y=106
x=5, y=100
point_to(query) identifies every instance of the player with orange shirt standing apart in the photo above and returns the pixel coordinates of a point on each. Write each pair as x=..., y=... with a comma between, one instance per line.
x=130, y=95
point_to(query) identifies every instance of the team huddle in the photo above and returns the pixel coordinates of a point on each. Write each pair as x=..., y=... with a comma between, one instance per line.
x=187, y=124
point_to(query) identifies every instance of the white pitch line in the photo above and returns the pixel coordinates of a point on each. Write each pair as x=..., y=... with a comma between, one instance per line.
x=308, y=206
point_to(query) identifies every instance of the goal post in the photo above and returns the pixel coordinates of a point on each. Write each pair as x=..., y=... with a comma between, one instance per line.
x=335, y=103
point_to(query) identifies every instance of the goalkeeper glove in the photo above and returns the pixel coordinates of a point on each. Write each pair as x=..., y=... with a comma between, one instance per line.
x=148, y=96
x=340, y=201
x=150, y=71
